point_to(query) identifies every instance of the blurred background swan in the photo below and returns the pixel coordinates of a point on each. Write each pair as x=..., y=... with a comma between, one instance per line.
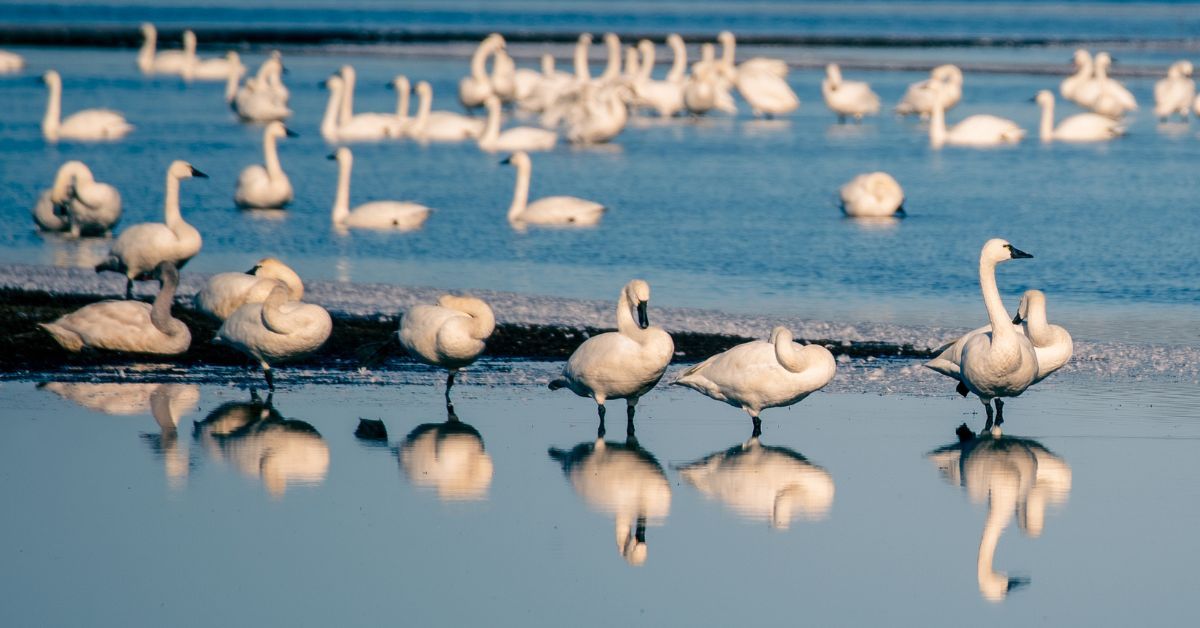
x=550, y=210
x=848, y=99
x=78, y=204
x=1174, y=94
x=86, y=125
x=918, y=98
x=441, y=126
x=11, y=62
x=224, y=293
x=152, y=61
x=389, y=215
x=1102, y=94
x=1081, y=127
x=978, y=130
x=266, y=186
x=1070, y=86
x=474, y=88
x=447, y=457
x=524, y=138
x=263, y=97
x=872, y=195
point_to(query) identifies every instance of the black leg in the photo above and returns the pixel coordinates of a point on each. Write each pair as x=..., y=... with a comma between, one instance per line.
x=757, y=427
x=987, y=426
x=128, y=288
x=449, y=385
x=270, y=378
x=999, y=412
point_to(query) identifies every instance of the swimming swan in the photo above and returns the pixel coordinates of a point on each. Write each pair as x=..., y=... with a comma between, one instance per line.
x=85, y=125
x=378, y=124
x=976, y=130
x=918, y=98
x=149, y=61
x=872, y=195
x=226, y=292
x=848, y=98
x=760, y=374
x=1174, y=94
x=358, y=128
x=215, y=69
x=142, y=247
x=1104, y=95
x=449, y=335
x=266, y=186
x=474, y=89
x=1070, y=86
x=441, y=126
x=517, y=138
x=263, y=98
x=403, y=216
x=276, y=330
x=128, y=326
x=551, y=210
x=77, y=203
x=1081, y=127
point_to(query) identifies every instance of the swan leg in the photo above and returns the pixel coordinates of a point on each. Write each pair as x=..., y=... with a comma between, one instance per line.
x=987, y=405
x=630, y=410
x=128, y=289
x=271, y=380
x=757, y=426
x=600, y=431
x=449, y=385
x=999, y=412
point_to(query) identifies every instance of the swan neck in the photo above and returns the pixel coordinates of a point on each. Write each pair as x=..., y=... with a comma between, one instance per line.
x=790, y=356
x=520, y=191
x=647, y=69
x=271, y=157
x=424, y=104
x=272, y=317
x=65, y=178
x=329, y=121
x=160, y=312
x=171, y=213
x=998, y=517
x=1046, y=129
x=53, y=110
x=483, y=320
x=145, y=58
x=728, y=50
x=479, y=61
x=347, y=99
x=341, y=199
x=1001, y=322
x=1101, y=71
x=626, y=324
x=613, y=69
x=402, y=104
x=1036, y=326
x=491, y=130
x=582, y=73
x=937, y=123
x=678, y=63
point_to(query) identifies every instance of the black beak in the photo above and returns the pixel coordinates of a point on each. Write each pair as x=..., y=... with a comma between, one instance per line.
x=322, y=85
x=1033, y=99
x=198, y=174
x=1018, y=253
x=290, y=133
x=253, y=270
x=1017, y=319
x=284, y=70
x=506, y=161
x=643, y=318
x=331, y=157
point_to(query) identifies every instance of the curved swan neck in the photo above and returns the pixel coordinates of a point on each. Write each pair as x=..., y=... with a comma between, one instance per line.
x=145, y=58
x=790, y=356
x=483, y=320
x=679, y=63
x=582, y=73
x=171, y=214
x=424, y=105
x=520, y=191
x=937, y=122
x=402, y=101
x=626, y=324
x=271, y=156
x=160, y=312
x=66, y=177
x=1001, y=323
x=647, y=68
x=1046, y=129
x=341, y=200
x=491, y=130
x=479, y=60
x=50, y=121
x=274, y=319
x=613, y=68
x=1037, y=328
x=329, y=122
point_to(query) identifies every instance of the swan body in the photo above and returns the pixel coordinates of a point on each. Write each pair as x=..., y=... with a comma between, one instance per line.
x=357, y=128
x=918, y=98
x=872, y=195
x=1104, y=95
x=127, y=326
x=226, y=292
x=551, y=210
x=276, y=330
x=448, y=457
x=1081, y=127
x=977, y=130
x=266, y=186
x=602, y=115
x=474, y=89
x=1174, y=94
x=848, y=98
x=402, y=216
x=1071, y=85
x=524, y=138
x=767, y=93
x=263, y=98
x=365, y=125
x=85, y=125
x=78, y=203
x=449, y=335
x=441, y=126
x=11, y=62
x=49, y=215
x=150, y=61
x=215, y=69
x=665, y=96
x=142, y=247
x=775, y=67
x=549, y=87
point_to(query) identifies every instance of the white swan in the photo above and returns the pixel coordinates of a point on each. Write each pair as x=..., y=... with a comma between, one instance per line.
x=402, y=216
x=266, y=186
x=87, y=206
x=1070, y=86
x=708, y=88
x=371, y=124
x=1174, y=94
x=226, y=292
x=517, y=138
x=85, y=125
x=263, y=98
x=1104, y=95
x=403, y=88
x=142, y=247
x=763, y=483
x=848, y=98
x=918, y=98
x=760, y=374
x=977, y=130
x=11, y=62
x=441, y=126
x=504, y=76
x=1081, y=127
x=276, y=330
x=215, y=69
x=560, y=103
x=872, y=195
x=623, y=364
x=449, y=335
x=150, y=61
x=127, y=326
x=760, y=81
x=357, y=129
x=549, y=87
x=448, y=457
x=757, y=65
x=474, y=89
x=551, y=210
x=665, y=96
x=601, y=115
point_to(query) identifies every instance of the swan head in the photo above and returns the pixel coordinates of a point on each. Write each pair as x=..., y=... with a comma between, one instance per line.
x=189, y=39
x=999, y=250
x=401, y=84
x=644, y=45
x=425, y=90
x=1083, y=58
x=347, y=72
x=495, y=40
x=334, y=83
x=272, y=268
x=1031, y=299
x=183, y=170
x=1103, y=60
x=1181, y=68
x=638, y=294
x=833, y=73
x=148, y=30
x=726, y=38
x=276, y=129
x=341, y=155
x=585, y=39
x=948, y=73
x=519, y=159
x=612, y=41
x=52, y=78
x=1044, y=98
x=674, y=39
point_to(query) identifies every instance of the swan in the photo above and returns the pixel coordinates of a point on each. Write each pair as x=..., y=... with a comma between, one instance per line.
x=449, y=335
x=403, y=88
x=403, y=216
x=276, y=330
x=149, y=61
x=1070, y=86
x=707, y=87
x=601, y=116
x=526, y=80
x=11, y=62
x=848, y=98
x=777, y=68
x=85, y=125
x=1174, y=94
x=548, y=89
x=872, y=195
x=142, y=247
x=612, y=68
x=448, y=457
x=127, y=326
x=504, y=76
x=551, y=210
x=263, y=98
x=78, y=203
x=517, y=138
x=377, y=124
x=1104, y=95
x=665, y=96
x=977, y=130
x=918, y=98
x=763, y=483
x=224, y=293
x=441, y=126
x=1081, y=127
x=760, y=81
x=623, y=364
x=474, y=89
x=49, y=215
x=559, y=104
x=760, y=374
x=357, y=129
x=216, y=69
x=266, y=186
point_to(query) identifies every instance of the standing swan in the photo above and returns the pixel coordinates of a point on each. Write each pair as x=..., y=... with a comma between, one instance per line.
x=449, y=335
x=142, y=247
x=848, y=98
x=1104, y=95
x=85, y=125
x=976, y=130
x=514, y=139
x=1174, y=94
x=266, y=186
x=78, y=203
x=872, y=195
x=129, y=326
x=1070, y=86
x=276, y=330
x=551, y=210
x=1081, y=127
x=757, y=375
x=623, y=364
x=403, y=216
x=226, y=292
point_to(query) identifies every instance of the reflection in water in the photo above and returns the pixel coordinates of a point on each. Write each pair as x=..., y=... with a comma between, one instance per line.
x=763, y=483
x=256, y=439
x=623, y=480
x=1013, y=475
x=68, y=252
x=166, y=402
x=875, y=223
x=448, y=457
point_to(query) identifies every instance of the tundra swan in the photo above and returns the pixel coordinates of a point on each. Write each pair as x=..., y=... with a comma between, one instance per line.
x=1174, y=94
x=79, y=203
x=513, y=139
x=263, y=98
x=142, y=247
x=504, y=76
x=601, y=115
x=448, y=457
x=548, y=89
x=474, y=89
x=403, y=88
x=757, y=65
x=85, y=125
x=760, y=81
x=150, y=61
x=623, y=364
x=526, y=80
x=976, y=130
x=266, y=186
x=449, y=335
x=128, y=326
x=552, y=210
x=848, y=98
x=918, y=98
x=708, y=87
x=276, y=330
x=215, y=69
x=441, y=126
x=357, y=129
x=666, y=96
x=379, y=124
x=1070, y=86
x=872, y=195
x=11, y=62
x=1104, y=95
x=1081, y=127
x=403, y=216
x=226, y=292
x=760, y=374
x=49, y=215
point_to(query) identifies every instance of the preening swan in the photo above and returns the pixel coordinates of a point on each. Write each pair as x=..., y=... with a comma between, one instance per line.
x=85, y=125
x=872, y=195
x=1174, y=94
x=623, y=364
x=266, y=186
x=600, y=115
x=449, y=335
x=402, y=216
x=150, y=61
x=128, y=326
x=474, y=89
x=707, y=87
x=276, y=330
x=1070, y=86
x=918, y=98
x=517, y=138
x=1104, y=95
x=142, y=247
x=1081, y=127
x=551, y=210
x=448, y=457
x=441, y=126
x=78, y=203
x=11, y=62
x=848, y=98
x=760, y=374
x=976, y=130
x=226, y=292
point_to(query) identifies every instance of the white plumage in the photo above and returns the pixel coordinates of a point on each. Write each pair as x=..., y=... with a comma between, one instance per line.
x=276, y=330
x=872, y=195
x=977, y=130
x=449, y=335
x=389, y=215
x=548, y=211
x=848, y=98
x=85, y=125
x=1174, y=94
x=226, y=292
x=266, y=186
x=77, y=203
x=1081, y=127
x=517, y=138
x=918, y=98
x=441, y=126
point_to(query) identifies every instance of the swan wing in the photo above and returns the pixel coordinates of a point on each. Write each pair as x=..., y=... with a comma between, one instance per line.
x=122, y=326
x=612, y=365
x=562, y=210
x=918, y=98
x=388, y=215
x=985, y=129
x=95, y=123
x=526, y=138
x=1088, y=126
x=767, y=92
x=777, y=68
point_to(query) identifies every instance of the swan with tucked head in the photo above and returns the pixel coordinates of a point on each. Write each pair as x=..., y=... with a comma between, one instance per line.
x=918, y=98
x=89, y=125
x=448, y=457
x=449, y=335
x=848, y=98
x=150, y=61
x=142, y=247
x=872, y=195
x=551, y=210
x=266, y=186
x=276, y=330
x=517, y=138
x=1081, y=127
x=391, y=215
x=263, y=98
x=977, y=130
x=1174, y=94
x=441, y=126
x=226, y=292
x=77, y=203
x=474, y=89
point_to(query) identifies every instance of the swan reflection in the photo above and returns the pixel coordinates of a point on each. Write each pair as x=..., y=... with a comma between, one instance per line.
x=259, y=441
x=448, y=457
x=1015, y=476
x=623, y=480
x=763, y=483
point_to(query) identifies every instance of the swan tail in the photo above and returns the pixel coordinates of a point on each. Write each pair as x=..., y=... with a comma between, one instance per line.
x=68, y=339
x=558, y=383
x=943, y=366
